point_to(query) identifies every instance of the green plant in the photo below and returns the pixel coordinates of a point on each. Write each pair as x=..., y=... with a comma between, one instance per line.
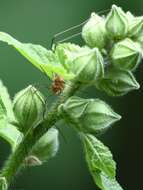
x=112, y=53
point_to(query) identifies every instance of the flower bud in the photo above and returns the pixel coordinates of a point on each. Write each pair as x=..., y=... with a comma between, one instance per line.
x=28, y=107
x=135, y=27
x=118, y=82
x=88, y=66
x=3, y=183
x=94, y=32
x=116, y=23
x=88, y=115
x=65, y=53
x=126, y=54
x=44, y=149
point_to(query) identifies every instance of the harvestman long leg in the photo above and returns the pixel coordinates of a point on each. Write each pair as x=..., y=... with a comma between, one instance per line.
x=65, y=31
x=71, y=29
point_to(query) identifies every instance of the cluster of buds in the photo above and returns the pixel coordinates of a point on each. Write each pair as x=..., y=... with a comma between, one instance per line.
x=112, y=52
x=121, y=46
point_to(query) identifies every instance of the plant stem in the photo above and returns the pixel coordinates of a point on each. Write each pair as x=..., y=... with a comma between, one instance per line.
x=15, y=161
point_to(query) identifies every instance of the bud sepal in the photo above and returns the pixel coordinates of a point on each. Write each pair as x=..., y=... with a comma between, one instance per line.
x=126, y=54
x=117, y=82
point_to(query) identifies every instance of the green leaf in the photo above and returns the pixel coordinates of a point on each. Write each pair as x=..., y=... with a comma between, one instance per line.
x=98, y=156
x=10, y=133
x=40, y=57
x=100, y=162
x=5, y=101
x=104, y=182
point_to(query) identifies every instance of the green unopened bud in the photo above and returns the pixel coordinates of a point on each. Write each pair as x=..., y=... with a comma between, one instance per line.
x=126, y=54
x=3, y=183
x=135, y=27
x=45, y=148
x=94, y=32
x=88, y=66
x=118, y=82
x=116, y=23
x=28, y=107
x=65, y=53
x=88, y=115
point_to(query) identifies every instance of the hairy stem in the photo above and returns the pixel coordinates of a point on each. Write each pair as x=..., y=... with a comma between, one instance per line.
x=14, y=163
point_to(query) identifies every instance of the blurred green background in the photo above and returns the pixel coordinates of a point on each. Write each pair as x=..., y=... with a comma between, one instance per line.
x=36, y=21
